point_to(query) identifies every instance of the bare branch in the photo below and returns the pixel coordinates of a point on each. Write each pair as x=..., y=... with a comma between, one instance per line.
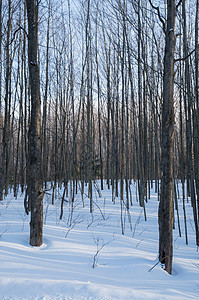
x=159, y=15
x=14, y=35
x=178, y=4
x=184, y=58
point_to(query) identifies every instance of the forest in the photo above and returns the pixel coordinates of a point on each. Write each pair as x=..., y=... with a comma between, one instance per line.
x=101, y=94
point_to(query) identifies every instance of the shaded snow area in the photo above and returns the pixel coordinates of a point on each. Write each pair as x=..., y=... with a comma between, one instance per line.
x=84, y=256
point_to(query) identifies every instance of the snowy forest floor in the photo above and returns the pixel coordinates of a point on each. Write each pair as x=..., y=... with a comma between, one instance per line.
x=85, y=256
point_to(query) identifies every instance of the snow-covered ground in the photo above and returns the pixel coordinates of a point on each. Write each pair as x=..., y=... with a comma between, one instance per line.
x=85, y=256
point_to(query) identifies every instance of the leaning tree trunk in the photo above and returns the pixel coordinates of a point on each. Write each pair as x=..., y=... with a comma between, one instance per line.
x=34, y=138
x=166, y=199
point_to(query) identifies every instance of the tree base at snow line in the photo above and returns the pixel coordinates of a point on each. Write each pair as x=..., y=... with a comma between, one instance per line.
x=166, y=220
x=36, y=223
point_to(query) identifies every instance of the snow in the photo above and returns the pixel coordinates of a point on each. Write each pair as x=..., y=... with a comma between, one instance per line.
x=86, y=257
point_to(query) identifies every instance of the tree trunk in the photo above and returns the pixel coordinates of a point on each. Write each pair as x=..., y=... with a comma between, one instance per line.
x=6, y=129
x=197, y=106
x=166, y=199
x=34, y=137
x=44, y=135
x=1, y=148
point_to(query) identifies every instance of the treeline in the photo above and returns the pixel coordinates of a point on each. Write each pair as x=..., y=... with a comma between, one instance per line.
x=101, y=78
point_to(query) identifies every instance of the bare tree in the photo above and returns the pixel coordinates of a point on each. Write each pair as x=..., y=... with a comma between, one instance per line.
x=34, y=136
x=166, y=216
x=1, y=169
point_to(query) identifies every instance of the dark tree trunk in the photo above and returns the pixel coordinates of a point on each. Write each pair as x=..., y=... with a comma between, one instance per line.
x=1, y=149
x=44, y=121
x=6, y=128
x=166, y=198
x=196, y=144
x=34, y=138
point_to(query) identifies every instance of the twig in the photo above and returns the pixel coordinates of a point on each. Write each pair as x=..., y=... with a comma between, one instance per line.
x=77, y=220
x=137, y=223
x=99, y=209
x=153, y=267
x=96, y=256
x=157, y=264
x=143, y=230
x=139, y=242
x=184, y=58
x=6, y=229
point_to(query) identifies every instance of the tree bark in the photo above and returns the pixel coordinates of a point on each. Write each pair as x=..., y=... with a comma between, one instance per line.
x=6, y=128
x=1, y=121
x=166, y=216
x=34, y=137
